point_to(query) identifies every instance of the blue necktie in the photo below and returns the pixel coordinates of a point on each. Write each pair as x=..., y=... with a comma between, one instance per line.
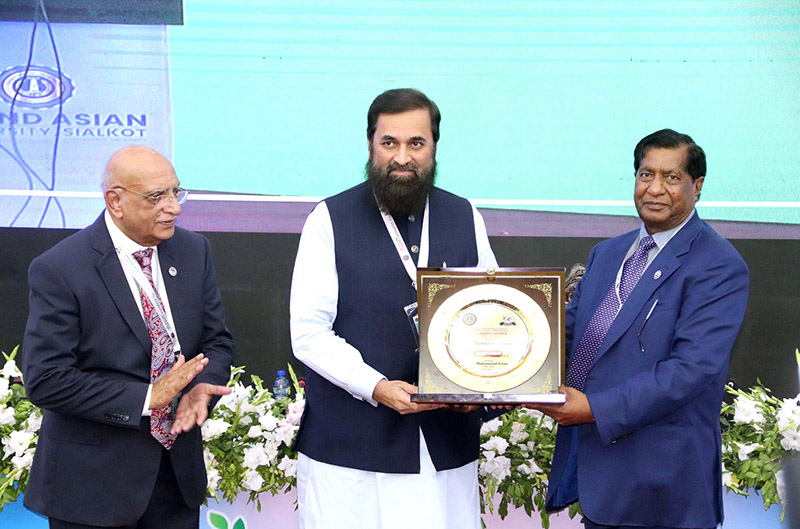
x=604, y=315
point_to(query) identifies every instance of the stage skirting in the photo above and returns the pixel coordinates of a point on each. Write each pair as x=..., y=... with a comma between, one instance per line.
x=278, y=512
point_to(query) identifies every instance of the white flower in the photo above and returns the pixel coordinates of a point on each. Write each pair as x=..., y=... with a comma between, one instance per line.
x=245, y=420
x=7, y=416
x=788, y=418
x=747, y=411
x=746, y=450
x=239, y=397
x=496, y=443
x=208, y=458
x=5, y=388
x=548, y=422
x=253, y=480
x=491, y=426
x=530, y=468
x=289, y=466
x=268, y=422
x=10, y=370
x=264, y=407
x=213, y=428
x=295, y=411
x=497, y=466
x=533, y=413
x=727, y=477
x=517, y=433
x=285, y=433
x=255, y=431
x=17, y=442
x=791, y=439
x=255, y=456
x=212, y=474
x=271, y=449
x=23, y=461
x=33, y=423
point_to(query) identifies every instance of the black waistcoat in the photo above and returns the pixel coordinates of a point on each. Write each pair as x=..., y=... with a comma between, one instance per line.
x=373, y=289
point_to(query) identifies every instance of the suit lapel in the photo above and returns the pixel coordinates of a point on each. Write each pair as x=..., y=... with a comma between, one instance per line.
x=172, y=281
x=110, y=271
x=667, y=262
x=606, y=267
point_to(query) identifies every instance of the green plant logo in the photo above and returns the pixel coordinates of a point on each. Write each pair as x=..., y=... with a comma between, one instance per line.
x=218, y=520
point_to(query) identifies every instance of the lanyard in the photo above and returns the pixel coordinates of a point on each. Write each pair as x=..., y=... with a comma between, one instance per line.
x=147, y=289
x=400, y=245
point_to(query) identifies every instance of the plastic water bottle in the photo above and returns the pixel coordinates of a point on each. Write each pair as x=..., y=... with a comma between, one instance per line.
x=281, y=386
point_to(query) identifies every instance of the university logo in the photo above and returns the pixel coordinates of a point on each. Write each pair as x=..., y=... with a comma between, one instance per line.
x=40, y=88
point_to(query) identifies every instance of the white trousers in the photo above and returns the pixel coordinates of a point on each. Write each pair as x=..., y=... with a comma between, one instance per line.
x=334, y=497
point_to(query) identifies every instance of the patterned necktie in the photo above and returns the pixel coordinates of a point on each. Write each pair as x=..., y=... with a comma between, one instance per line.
x=604, y=315
x=161, y=358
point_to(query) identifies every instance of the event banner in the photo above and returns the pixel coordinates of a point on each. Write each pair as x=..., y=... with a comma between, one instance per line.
x=79, y=92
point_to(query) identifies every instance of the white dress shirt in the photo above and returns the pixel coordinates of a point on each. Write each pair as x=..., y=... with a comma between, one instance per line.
x=314, y=298
x=125, y=246
x=345, y=498
x=661, y=239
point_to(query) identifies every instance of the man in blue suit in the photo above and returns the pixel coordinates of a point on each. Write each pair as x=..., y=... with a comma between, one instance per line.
x=649, y=334
x=115, y=312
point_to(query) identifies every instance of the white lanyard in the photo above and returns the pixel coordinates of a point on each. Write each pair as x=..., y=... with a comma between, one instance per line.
x=400, y=245
x=147, y=289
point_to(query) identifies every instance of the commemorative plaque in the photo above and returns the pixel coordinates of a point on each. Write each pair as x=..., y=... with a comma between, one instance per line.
x=490, y=336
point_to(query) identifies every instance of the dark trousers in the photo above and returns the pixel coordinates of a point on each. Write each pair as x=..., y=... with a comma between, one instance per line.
x=166, y=508
x=588, y=524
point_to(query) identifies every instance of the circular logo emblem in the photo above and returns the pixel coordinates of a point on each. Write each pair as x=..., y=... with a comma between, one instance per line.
x=40, y=88
x=469, y=318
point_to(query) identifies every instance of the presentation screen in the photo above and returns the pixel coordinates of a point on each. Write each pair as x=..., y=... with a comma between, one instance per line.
x=542, y=102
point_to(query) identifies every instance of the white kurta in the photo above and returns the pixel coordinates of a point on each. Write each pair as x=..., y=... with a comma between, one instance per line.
x=331, y=496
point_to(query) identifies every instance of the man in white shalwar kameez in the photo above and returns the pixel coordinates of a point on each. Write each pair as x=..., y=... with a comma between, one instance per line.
x=369, y=457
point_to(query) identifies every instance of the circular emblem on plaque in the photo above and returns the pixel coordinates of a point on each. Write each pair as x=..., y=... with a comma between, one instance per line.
x=39, y=88
x=489, y=337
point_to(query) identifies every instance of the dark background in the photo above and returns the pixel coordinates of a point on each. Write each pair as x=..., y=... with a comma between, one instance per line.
x=97, y=11
x=254, y=274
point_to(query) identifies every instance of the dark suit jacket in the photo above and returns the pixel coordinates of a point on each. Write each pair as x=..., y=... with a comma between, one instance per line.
x=86, y=362
x=652, y=457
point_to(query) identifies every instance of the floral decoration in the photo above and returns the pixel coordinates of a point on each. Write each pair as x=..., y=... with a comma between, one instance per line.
x=249, y=435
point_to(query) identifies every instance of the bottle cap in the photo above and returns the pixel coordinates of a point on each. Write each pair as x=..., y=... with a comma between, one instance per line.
x=281, y=373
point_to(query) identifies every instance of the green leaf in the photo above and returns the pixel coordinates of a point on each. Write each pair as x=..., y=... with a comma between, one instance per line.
x=218, y=520
x=239, y=524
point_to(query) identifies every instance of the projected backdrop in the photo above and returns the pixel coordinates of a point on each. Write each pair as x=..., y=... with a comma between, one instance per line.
x=542, y=102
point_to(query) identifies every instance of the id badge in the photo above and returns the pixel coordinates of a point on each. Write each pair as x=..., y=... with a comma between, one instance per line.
x=413, y=320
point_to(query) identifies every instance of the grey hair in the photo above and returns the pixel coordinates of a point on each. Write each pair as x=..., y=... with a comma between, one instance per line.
x=108, y=178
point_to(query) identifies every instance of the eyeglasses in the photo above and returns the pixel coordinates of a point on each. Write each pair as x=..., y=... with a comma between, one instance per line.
x=161, y=198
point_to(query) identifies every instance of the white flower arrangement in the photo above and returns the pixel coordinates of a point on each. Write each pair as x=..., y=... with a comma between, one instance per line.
x=249, y=434
x=248, y=439
x=19, y=429
x=516, y=452
x=758, y=431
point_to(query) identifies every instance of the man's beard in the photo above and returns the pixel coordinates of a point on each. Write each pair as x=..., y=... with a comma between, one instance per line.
x=400, y=196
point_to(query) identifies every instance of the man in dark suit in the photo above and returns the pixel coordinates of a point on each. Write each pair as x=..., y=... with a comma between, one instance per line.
x=115, y=312
x=649, y=334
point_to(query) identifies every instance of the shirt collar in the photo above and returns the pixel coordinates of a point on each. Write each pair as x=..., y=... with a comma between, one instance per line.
x=663, y=237
x=121, y=241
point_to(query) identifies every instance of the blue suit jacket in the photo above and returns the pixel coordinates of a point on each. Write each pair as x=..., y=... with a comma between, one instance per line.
x=86, y=362
x=652, y=457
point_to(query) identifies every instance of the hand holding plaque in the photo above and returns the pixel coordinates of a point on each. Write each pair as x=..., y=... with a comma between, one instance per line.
x=490, y=336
